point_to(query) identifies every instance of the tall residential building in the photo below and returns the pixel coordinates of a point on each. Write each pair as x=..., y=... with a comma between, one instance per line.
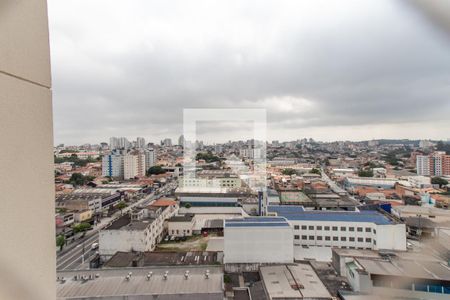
x=166, y=142
x=140, y=142
x=435, y=164
x=423, y=165
x=181, y=140
x=119, y=143
x=112, y=165
x=134, y=165
x=150, y=158
x=113, y=143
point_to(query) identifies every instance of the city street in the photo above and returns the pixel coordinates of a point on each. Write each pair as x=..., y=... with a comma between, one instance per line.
x=71, y=257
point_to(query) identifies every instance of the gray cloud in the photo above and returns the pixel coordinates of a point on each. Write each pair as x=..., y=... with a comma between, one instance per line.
x=321, y=69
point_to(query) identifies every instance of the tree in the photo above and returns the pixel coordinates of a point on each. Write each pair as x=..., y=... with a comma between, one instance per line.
x=80, y=179
x=365, y=173
x=315, y=171
x=440, y=181
x=121, y=205
x=81, y=227
x=156, y=170
x=187, y=205
x=60, y=241
x=207, y=156
x=288, y=171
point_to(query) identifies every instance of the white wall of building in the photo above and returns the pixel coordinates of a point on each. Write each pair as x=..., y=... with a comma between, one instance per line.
x=258, y=245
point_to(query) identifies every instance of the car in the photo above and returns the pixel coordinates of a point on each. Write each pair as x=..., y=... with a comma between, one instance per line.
x=94, y=246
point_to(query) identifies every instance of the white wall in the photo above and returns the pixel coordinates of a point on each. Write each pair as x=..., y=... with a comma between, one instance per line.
x=27, y=251
x=391, y=237
x=258, y=245
x=111, y=241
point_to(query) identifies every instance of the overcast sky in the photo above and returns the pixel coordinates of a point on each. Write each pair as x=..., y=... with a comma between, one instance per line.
x=344, y=70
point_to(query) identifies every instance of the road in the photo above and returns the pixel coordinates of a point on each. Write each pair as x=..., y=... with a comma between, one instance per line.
x=72, y=257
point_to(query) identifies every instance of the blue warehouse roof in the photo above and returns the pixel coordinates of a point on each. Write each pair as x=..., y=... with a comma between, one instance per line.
x=257, y=222
x=297, y=213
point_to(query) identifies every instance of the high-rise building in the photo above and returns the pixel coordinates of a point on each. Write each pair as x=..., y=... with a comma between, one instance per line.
x=150, y=158
x=140, y=142
x=423, y=165
x=166, y=142
x=133, y=165
x=425, y=144
x=118, y=143
x=181, y=140
x=112, y=165
x=435, y=164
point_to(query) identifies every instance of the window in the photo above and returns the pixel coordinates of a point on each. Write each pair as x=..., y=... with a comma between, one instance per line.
x=374, y=231
x=304, y=237
x=304, y=227
x=351, y=229
x=360, y=240
x=296, y=227
x=335, y=238
x=343, y=228
x=335, y=228
x=374, y=242
x=311, y=228
x=319, y=237
x=351, y=239
x=311, y=237
x=296, y=237
x=319, y=227
x=368, y=240
x=368, y=229
x=327, y=228
x=327, y=238
x=343, y=239
x=359, y=229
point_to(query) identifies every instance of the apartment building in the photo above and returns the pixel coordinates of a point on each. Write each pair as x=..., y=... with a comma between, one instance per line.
x=435, y=164
x=150, y=158
x=113, y=165
x=343, y=229
x=134, y=165
x=141, y=230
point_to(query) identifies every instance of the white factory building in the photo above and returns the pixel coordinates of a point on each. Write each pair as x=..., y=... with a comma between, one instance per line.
x=343, y=229
x=258, y=240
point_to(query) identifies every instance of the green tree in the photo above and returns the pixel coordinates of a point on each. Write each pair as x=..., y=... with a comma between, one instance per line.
x=440, y=181
x=60, y=241
x=187, y=205
x=365, y=173
x=121, y=205
x=156, y=170
x=207, y=156
x=288, y=171
x=81, y=227
x=77, y=179
x=315, y=171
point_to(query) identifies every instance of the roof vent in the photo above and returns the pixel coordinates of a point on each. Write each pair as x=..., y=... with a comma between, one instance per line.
x=127, y=278
x=165, y=275
x=186, y=275
x=207, y=274
x=149, y=275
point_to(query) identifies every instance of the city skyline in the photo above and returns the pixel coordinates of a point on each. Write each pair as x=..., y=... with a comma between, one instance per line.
x=360, y=71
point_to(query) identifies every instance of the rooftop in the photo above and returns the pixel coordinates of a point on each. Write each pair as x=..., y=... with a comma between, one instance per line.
x=257, y=222
x=294, y=213
x=293, y=282
x=107, y=283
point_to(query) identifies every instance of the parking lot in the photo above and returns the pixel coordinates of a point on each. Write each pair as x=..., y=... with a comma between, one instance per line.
x=193, y=243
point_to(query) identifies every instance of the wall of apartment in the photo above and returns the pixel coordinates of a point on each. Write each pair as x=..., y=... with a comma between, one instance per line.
x=27, y=253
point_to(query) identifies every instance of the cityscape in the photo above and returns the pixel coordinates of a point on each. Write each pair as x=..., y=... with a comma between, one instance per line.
x=225, y=150
x=336, y=219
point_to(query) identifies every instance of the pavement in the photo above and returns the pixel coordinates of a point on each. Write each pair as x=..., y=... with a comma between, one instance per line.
x=78, y=254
